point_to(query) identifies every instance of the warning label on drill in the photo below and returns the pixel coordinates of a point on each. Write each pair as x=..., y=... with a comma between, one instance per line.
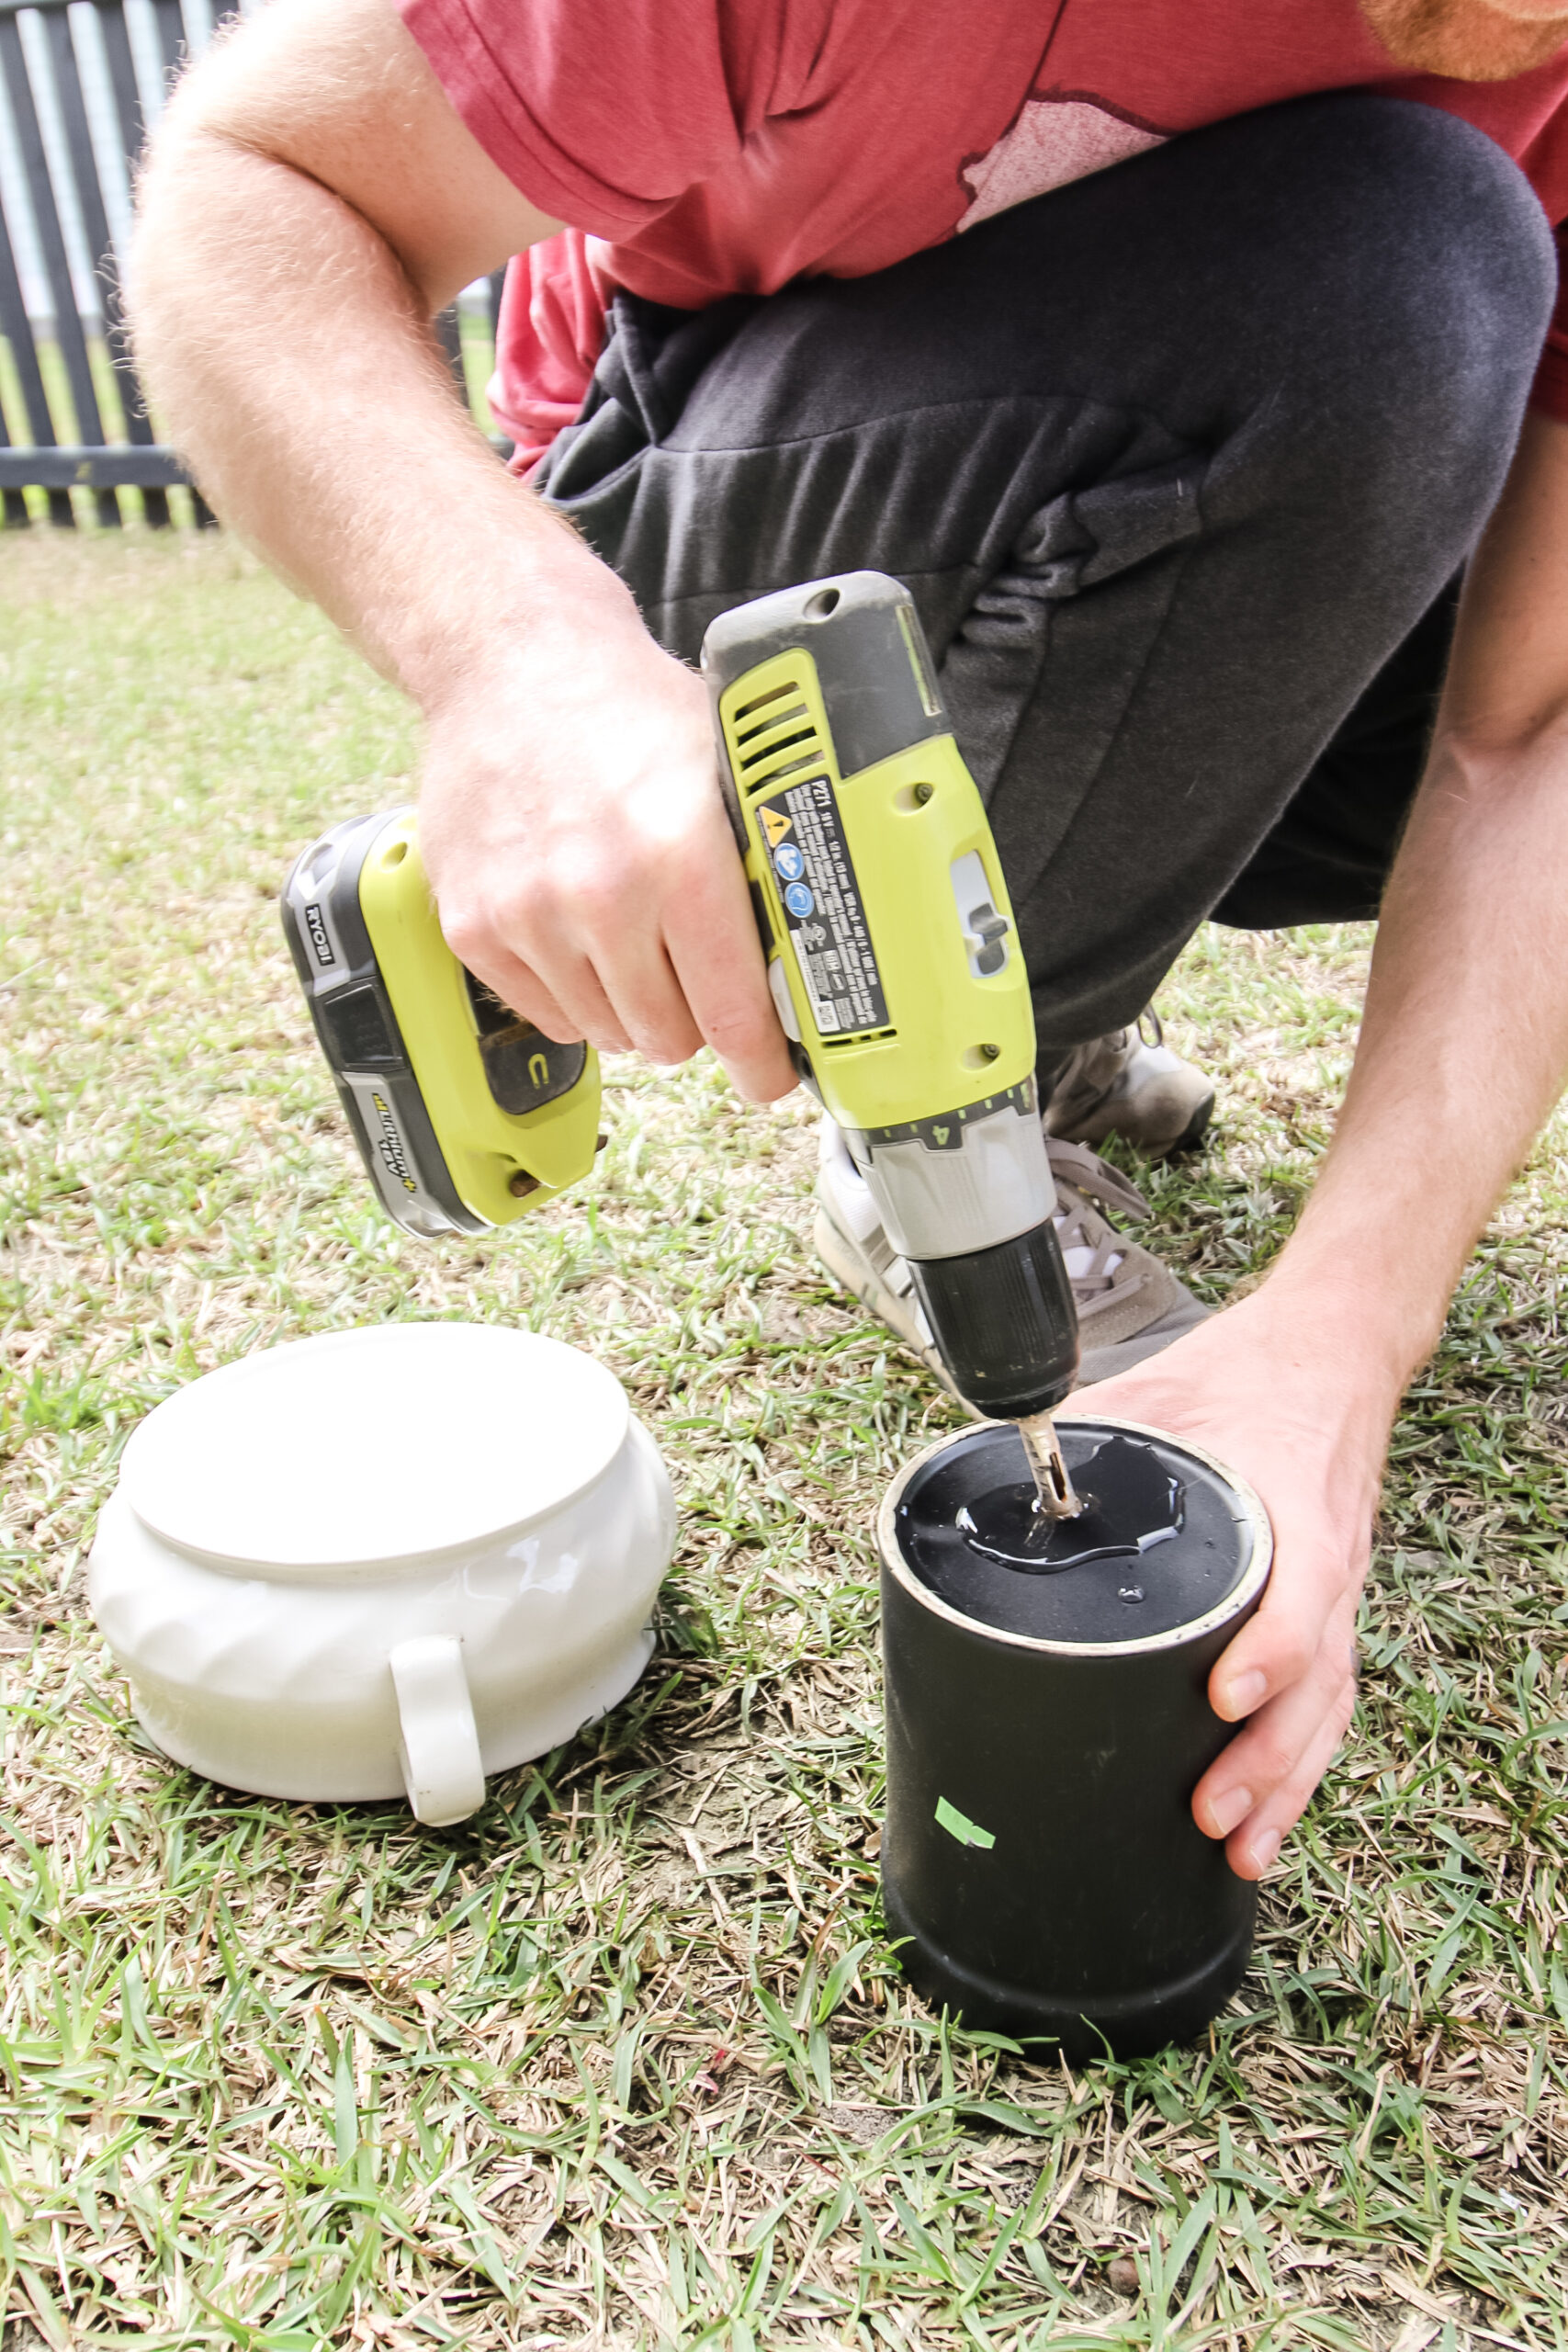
x=822, y=905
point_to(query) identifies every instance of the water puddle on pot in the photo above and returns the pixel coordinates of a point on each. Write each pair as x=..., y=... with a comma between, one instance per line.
x=1132, y=1502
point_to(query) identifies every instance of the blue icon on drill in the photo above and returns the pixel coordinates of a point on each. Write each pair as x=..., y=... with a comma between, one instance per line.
x=798, y=899
x=788, y=862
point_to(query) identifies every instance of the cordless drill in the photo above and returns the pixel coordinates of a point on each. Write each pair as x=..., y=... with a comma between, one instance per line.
x=892, y=960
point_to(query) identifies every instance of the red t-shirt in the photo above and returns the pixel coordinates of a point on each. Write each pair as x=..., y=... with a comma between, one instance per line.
x=700, y=148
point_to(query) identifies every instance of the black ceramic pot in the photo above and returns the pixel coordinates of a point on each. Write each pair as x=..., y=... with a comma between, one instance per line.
x=1046, y=1727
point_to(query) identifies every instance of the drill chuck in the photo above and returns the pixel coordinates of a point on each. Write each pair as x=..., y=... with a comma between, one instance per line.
x=966, y=1199
x=1004, y=1323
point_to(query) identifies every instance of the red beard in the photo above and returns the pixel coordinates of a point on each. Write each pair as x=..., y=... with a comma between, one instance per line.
x=1465, y=38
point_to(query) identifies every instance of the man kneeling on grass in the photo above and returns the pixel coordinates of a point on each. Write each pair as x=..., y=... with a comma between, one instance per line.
x=1180, y=354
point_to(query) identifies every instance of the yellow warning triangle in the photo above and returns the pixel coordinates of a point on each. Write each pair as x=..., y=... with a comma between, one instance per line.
x=776, y=823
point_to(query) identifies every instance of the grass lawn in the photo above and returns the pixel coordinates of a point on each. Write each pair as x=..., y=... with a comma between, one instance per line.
x=623, y=2061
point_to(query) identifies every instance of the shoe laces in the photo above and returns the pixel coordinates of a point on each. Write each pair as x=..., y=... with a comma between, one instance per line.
x=1098, y=1268
x=1086, y=1173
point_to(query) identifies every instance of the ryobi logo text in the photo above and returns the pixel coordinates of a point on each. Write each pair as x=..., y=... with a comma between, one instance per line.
x=318, y=940
x=389, y=1144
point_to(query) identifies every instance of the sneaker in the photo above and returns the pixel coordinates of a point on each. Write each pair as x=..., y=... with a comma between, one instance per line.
x=1129, y=1084
x=1130, y=1306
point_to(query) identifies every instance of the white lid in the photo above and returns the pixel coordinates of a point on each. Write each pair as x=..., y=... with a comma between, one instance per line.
x=369, y=1447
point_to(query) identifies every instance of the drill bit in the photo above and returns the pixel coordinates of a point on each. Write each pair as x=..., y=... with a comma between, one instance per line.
x=1054, y=1495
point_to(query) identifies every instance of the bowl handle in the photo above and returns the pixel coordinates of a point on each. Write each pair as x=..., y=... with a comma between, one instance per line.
x=438, y=1744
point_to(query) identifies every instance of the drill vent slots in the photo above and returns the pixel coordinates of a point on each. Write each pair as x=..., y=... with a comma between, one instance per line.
x=776, y=736
x=856, y=1038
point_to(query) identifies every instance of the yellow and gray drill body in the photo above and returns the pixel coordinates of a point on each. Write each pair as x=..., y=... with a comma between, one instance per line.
x=891, y=958
x=895, y=965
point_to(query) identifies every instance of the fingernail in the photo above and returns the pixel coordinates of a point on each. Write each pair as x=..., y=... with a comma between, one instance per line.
x=1242, y=1696
x=1226, y=1811
x=1264, y=1848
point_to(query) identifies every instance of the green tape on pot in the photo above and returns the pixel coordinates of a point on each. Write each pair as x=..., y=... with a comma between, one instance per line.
x=958, y=1825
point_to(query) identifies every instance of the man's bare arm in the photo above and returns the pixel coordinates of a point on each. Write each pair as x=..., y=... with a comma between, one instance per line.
x=1463, y=1048
x=1464, y=1042
x=312, y=199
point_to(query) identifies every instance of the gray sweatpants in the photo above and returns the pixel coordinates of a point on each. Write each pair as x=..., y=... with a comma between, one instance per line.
x=1179, y=462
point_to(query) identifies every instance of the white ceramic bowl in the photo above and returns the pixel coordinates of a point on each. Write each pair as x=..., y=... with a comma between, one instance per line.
x=386, y=1561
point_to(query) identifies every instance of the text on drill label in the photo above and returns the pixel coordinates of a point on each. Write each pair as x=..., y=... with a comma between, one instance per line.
x=822, y=906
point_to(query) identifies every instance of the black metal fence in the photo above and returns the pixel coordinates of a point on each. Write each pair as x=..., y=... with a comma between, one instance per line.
x=71, y=115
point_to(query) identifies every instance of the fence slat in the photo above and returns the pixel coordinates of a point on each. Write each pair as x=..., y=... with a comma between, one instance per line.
x=128, y=105
x=89, y=198
x=448, y=326
x=110, y=14
x=14, y=507
x=72, y=342
x=170, y=37
x=17, y=328
x=174, y=50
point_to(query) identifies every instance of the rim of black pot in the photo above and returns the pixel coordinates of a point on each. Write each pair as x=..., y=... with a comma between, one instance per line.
x=1253, y=1578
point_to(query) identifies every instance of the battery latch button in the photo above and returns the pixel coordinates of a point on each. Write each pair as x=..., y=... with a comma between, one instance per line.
x=354, y=1024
